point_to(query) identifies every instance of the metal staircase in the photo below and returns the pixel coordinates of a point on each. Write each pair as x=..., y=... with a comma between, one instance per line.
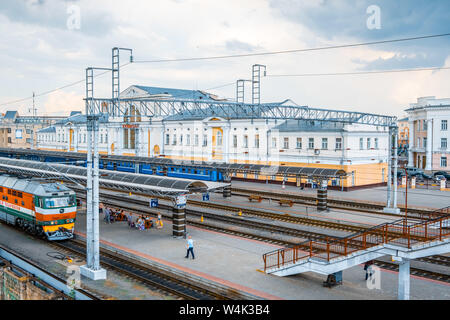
x=402, y=238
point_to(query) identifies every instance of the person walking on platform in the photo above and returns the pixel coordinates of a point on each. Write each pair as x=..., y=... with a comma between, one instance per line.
x=107, y=216
x=368, y=268
x=190, y=247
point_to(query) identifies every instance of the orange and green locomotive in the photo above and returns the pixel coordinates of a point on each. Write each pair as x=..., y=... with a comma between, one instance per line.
x=42, y=208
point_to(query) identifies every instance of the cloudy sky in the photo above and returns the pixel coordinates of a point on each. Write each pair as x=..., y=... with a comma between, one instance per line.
x=45, y=46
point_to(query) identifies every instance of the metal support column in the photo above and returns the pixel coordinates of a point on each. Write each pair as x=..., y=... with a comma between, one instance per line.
x=391, y=205
x=322, y=196
x=178, y=221
x=240, y=90
x=227, y=189
x=256, y=83
x=404, y=279
x=95, y=198
x=395, y=142
x=89, y=215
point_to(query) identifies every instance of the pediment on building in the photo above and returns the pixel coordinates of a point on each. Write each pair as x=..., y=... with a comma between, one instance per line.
x=133, y=92
x=212, y=119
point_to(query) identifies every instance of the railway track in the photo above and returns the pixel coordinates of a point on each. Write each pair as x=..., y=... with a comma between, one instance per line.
x=350, y=228
x=169, y=281
x=54, y=282
x=141, y=207
x=333, y=203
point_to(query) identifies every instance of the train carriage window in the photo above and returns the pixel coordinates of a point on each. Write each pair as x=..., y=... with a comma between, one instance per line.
x=1, y=189
x=14, y=193
x=23, y=203
x=9, y=191
x=19, y=194
x=15, y=201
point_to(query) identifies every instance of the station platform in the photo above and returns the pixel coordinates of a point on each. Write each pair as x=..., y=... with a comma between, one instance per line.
x=236, y=262
x=418, y=198
x=225, y=259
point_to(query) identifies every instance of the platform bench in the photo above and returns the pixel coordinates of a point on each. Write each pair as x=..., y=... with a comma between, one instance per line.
x=254, y=197
x=290, y=203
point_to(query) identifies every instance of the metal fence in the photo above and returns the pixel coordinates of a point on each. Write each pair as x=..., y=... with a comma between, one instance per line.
x=400, y=232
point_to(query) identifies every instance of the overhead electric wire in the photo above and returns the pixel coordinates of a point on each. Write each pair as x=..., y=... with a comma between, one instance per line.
x=293, y=50
x=357, y=73
x=240, y=56
x=59, y=88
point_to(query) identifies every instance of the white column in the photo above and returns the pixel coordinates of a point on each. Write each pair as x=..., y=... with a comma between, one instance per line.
x=429, y=143
x=411, y=144
x=92, y=269
x=388, y=204
x=89, y=216
x=226, y=143
x=394, y=205
x=404, y=280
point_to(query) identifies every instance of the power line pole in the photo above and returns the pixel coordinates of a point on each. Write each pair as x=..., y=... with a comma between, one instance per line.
x=92, y=269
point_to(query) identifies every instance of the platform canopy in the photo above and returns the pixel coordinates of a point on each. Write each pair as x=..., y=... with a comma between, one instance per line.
x=152, y=185
x=302, y=172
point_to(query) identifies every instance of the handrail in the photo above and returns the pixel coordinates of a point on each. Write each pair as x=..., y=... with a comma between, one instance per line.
x=398, y=232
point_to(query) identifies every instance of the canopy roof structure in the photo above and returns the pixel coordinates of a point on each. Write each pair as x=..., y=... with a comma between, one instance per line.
x=152, y=185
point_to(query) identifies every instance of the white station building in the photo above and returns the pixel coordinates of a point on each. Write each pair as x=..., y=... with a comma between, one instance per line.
x=360, y=150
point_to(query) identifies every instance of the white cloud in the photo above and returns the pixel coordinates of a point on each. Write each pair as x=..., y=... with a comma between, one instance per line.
x=46, y=57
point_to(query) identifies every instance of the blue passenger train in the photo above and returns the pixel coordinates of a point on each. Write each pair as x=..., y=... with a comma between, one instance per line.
x=178, y=171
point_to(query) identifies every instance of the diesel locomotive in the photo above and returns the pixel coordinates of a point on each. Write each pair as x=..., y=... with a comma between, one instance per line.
x=39, y=207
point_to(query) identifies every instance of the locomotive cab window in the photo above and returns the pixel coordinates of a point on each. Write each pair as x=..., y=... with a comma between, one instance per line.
x=60, y=202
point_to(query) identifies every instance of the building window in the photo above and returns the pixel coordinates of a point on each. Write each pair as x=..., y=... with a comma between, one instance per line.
x=444, y=125
x=219, y=138
x=299, y=143
x=196, y=140
x=245, y=141
x=59, y=137
x=376, y=143
x=101, y=138
x=205, y=140
x=181, y=140
x=106, y=138
x=311, y=143
x=368, y=143
x=84, y=138
x=324, y=143
x=274, y=143
x=443, y=143
x=424, y=142
x=338, y=143
x=286, y=143
x=425, y=125
x=361, y=143
x=443, y=162
x=188, y=140
x=174, y=140
x=234, y=141
x=9, y=139
x=257, y=141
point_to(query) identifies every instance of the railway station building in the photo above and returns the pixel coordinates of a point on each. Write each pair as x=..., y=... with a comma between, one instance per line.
x=360, y=150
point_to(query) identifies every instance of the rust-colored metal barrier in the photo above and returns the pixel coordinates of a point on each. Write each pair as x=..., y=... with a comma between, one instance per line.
x=398, y=232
